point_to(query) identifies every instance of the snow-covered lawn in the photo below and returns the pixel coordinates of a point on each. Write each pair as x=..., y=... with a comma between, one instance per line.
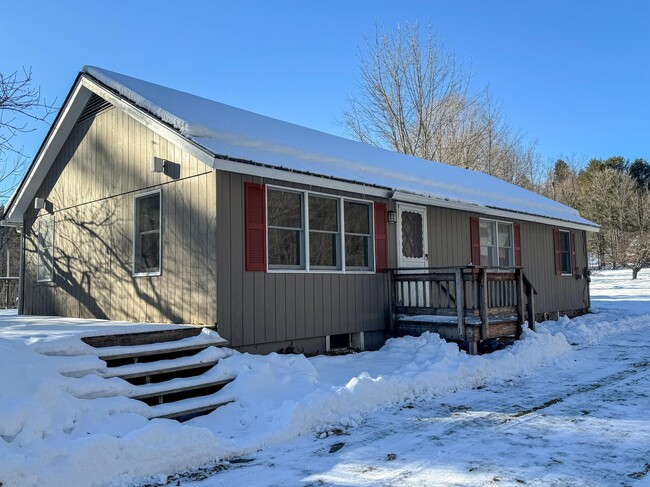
x=565, y=406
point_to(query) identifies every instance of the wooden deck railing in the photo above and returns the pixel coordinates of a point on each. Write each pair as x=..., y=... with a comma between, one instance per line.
x=472, y=294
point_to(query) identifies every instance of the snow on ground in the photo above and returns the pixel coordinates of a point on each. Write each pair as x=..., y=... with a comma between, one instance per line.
x=564, y=406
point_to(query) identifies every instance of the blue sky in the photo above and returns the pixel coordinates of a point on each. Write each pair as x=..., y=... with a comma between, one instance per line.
x=573, y=75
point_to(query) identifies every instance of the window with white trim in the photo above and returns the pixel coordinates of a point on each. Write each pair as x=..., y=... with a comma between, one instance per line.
x=496, y=243
x=313, y=231
x=286, y=235
x=324, y=234
x=147, y=234
x=358, y=235
x=45, y=265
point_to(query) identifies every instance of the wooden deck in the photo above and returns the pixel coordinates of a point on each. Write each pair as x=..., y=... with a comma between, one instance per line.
x=465, y=304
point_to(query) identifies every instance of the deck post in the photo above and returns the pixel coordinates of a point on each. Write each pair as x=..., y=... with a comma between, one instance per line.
x=519, y=279
x=483, y=303
x=392, y=304
x=530, y=305
x=460, y=302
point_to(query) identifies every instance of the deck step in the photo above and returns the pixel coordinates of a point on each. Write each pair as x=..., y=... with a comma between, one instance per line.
x=197, y=342
x=189, y=407
x=142, y=338
x=175, y=386
x=206, y=358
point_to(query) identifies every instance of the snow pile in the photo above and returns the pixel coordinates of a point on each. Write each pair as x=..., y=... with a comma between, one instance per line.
x=229, y=132
x=49, y=436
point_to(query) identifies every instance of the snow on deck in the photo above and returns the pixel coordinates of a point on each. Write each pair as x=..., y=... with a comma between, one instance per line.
x=239, y=134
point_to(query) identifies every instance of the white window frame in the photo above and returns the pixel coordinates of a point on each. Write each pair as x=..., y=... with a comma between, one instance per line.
x=39, y=250
x=304, y=241
x=305, y=266
x=339, y=241
x=136, y=197
x=569, y=273
x=371, y=235
x=496, y=240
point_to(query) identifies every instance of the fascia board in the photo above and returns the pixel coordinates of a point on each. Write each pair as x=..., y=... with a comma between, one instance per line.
x=276, y=173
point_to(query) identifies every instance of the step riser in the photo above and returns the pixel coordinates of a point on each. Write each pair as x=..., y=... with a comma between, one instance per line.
x=162, y=376
x=141, y=359
x=179, y=396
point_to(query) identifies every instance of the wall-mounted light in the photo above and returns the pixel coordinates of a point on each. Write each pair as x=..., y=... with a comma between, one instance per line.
x=39, y=203
x=158, y=165
x=392, y=217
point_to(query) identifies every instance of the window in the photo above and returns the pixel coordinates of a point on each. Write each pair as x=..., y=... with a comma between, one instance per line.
x=496, y=239
x=45, y=266
x=564, y=243
x=357, y=235
x=324, y=233
x=146, y=241
x=313, y=231
x=285, y=229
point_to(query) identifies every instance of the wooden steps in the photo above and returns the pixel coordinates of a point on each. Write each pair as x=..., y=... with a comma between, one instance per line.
x=172, y=371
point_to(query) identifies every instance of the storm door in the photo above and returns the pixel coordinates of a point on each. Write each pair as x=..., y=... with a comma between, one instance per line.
x=413, y=251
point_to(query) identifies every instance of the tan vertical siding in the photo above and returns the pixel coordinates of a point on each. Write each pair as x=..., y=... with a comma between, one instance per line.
x=91, y=186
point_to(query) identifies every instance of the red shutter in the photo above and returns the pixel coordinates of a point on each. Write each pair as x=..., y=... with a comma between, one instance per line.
x=475, y=238
x=517, y=244
x=255, y=197
x=557, y=249
x=381, y=237
x=574, y=263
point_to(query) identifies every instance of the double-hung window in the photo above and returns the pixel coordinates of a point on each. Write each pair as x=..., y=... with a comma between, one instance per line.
x=358, y=235
x=147, y=234
x=45, y=267
x=286, y=233
x=312, y=231
x=324, y=234
x=565, y=252
x=496, y=243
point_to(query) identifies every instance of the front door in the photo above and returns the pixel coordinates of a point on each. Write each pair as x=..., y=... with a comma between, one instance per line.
x=412, y=251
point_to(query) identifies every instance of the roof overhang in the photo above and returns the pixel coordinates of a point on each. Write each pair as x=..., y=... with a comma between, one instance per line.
x=484, y=210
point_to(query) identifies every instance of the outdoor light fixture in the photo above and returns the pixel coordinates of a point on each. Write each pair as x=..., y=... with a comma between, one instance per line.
x=158, y=165
x=39, y=203
x=392, y=217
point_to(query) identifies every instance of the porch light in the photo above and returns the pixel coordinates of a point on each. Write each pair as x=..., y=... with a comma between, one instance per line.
x=392, y=217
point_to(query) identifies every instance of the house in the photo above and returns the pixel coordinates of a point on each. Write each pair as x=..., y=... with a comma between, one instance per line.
x=149, y=204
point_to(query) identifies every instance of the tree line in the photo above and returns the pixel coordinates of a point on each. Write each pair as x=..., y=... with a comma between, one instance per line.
x=415, y=97
x=615, y=193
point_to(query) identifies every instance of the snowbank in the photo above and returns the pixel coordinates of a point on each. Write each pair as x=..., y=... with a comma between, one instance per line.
x=49, y=436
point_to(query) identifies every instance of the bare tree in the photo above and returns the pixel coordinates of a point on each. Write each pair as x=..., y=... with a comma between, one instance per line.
x=20, y=105
x=415, y=98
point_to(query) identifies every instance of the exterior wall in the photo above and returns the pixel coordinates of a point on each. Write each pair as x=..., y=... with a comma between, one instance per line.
x=90, y=189
x=450, y=245
x=266, y=307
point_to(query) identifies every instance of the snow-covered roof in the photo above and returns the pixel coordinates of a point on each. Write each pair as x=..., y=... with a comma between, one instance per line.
x=229, y=133
x=243, y=135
